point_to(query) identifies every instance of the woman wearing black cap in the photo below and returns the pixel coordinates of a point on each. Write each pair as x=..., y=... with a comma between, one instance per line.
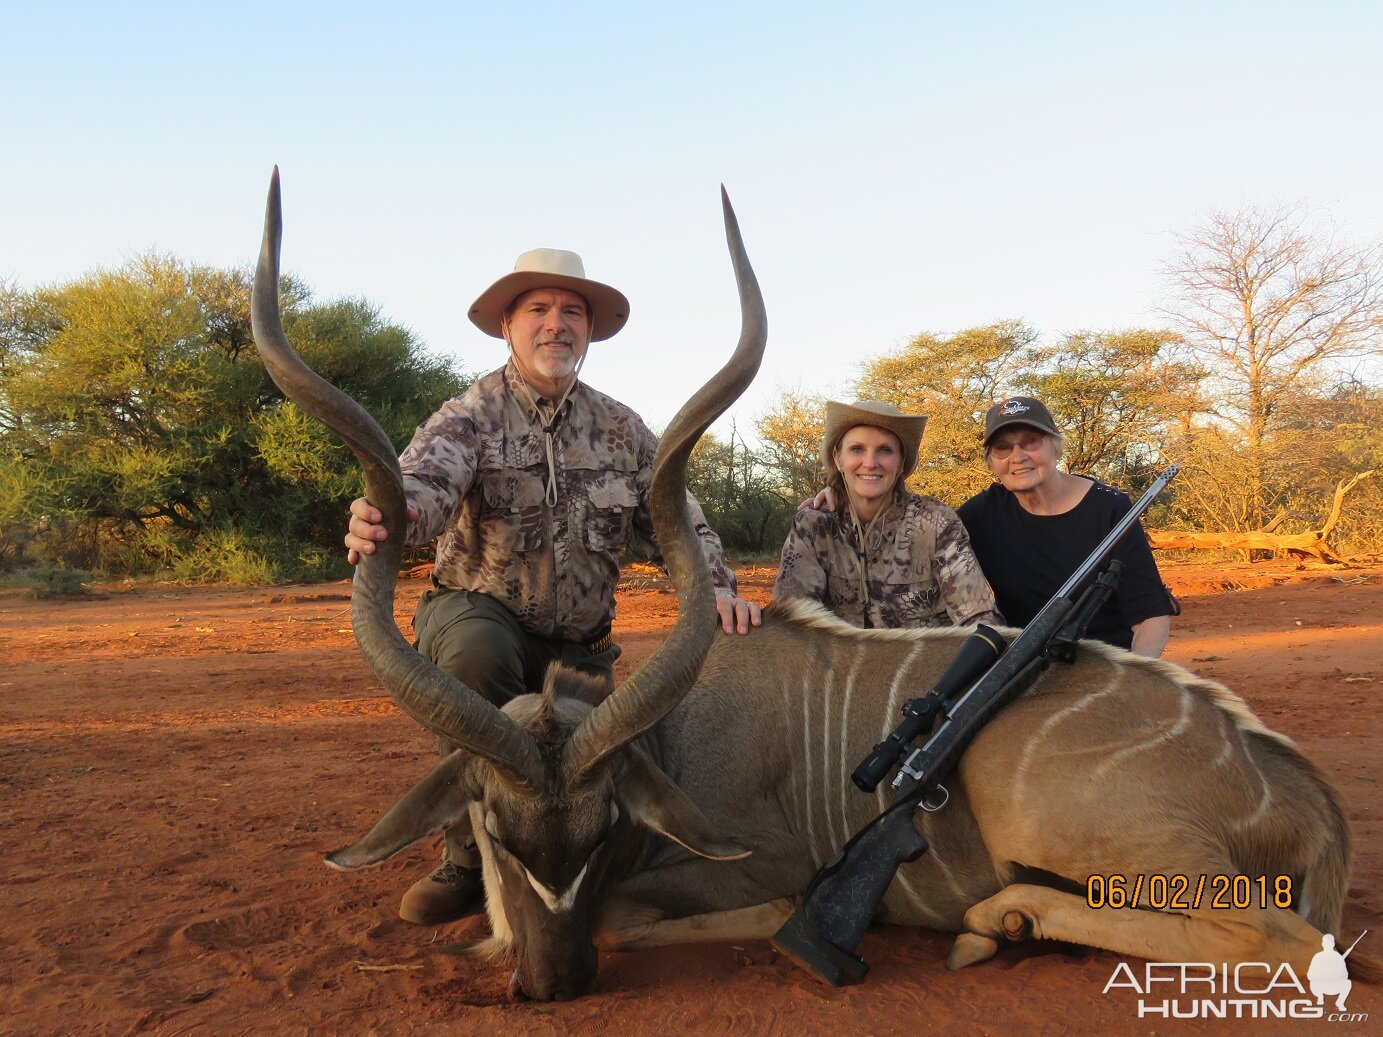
x=1036, y=524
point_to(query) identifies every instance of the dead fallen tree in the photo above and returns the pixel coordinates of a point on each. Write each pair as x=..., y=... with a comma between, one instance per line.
x=1312, y=543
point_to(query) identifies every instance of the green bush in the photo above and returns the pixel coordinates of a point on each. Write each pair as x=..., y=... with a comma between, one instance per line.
x=227, y=556
x=52, y=582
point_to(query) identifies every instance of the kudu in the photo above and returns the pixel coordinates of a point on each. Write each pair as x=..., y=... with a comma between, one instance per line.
x=629, y=820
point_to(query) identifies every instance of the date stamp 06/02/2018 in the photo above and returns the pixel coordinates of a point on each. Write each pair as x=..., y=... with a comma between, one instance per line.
x=1188, y=892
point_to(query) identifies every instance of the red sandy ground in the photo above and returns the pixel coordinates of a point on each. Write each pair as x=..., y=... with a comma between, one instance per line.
x=176, y=761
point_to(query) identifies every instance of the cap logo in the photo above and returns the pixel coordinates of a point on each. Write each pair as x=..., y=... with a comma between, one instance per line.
x=1014, y=407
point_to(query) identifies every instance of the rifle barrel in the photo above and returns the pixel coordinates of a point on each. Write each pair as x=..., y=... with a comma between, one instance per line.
x=1106, y=545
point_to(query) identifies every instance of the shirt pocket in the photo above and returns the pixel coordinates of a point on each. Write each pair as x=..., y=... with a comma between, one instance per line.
x=611, y=499
x=513, y=509
x=913, y=593
x=844, y=589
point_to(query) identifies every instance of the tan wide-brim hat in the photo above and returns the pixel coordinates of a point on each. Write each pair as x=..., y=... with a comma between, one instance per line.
x=551, y=268
x=842, y=417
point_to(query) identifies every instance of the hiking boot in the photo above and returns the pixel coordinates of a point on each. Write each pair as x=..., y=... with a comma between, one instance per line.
x=449, y=893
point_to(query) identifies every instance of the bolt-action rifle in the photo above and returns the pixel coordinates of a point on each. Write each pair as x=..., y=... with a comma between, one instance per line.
x=985, y=675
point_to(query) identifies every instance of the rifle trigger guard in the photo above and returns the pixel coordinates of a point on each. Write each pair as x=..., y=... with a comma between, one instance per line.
x=932, y=808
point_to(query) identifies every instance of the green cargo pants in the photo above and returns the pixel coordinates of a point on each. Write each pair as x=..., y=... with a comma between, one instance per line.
x=478, y=641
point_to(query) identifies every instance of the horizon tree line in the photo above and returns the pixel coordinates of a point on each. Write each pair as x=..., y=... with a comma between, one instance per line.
x=139, y=434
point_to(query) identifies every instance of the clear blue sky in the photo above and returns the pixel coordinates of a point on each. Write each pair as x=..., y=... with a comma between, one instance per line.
x=896, y=166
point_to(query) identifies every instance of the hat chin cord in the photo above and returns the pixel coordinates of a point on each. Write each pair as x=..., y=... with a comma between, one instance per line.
x=863, y=531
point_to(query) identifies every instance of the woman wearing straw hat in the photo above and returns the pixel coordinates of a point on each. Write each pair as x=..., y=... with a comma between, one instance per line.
x=882, y=557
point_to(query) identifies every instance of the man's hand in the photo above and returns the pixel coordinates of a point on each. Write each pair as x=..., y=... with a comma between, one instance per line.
x=736, y=614
x=823, y=501
x=365, y=530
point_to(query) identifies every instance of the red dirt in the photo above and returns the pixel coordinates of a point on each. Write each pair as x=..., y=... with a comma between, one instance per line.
x=176, y=760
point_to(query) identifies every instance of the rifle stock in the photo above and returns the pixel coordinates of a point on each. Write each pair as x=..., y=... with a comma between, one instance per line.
x=822, y=934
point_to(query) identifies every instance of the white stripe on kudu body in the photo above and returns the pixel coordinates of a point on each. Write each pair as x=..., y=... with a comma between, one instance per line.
x=807, y=698
x=1155, y=740
x=826, y=741
x=1047, y=731
x=792, y=701
x=843, y=781
x=1265, y=797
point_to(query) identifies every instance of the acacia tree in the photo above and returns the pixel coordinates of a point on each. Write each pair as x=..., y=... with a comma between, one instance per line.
x=791, y=432
x=1325, y=457
x=1269, y=308
x=952, y=379
x=740, y=497
x=1330, y=435
x=137, y=417
x=1118, y=398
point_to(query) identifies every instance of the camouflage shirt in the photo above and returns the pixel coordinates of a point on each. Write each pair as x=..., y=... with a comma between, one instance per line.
x=477, y=473
x=915, y=568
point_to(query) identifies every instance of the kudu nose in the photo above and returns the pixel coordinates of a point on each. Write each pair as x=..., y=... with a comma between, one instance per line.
x=549, y=984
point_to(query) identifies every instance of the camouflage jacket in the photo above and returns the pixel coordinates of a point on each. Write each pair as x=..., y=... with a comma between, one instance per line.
x=477, y=473
x=915, y=569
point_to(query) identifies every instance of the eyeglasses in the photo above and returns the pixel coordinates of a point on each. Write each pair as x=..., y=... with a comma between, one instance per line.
x=1028, y=442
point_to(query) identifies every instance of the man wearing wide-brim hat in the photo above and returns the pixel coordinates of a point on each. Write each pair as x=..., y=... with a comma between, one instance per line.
x=533, y=483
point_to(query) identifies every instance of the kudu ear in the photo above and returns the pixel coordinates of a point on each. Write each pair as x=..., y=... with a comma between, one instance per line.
x=652, y=800
x=429, y=806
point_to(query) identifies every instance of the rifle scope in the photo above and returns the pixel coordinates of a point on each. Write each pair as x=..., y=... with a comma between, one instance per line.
x=977, y=654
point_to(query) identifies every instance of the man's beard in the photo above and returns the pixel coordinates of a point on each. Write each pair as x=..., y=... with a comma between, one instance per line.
x=555, y=365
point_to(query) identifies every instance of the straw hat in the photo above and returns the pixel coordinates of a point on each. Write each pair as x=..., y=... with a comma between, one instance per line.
x=842, y=417
x=551, y=268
